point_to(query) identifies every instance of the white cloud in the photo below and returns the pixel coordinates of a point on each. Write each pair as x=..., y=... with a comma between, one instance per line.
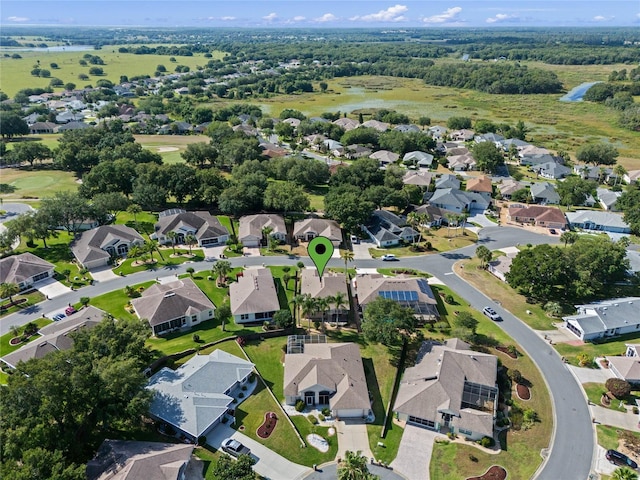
x=391, y=14
x=271, y=17
x=17, y=19
x=327, y=17
x=501, y=17
x=227, y=19
x=600, y=18
x=299, y=18
x=449, y=15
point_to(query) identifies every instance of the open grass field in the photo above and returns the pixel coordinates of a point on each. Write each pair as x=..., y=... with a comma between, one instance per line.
x=35, y=184
x=169, y=146
x=554, y=124
x=520, y=449
x=15, y=73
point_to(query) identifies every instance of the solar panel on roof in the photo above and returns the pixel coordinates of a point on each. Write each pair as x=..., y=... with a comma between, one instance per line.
x=399, y=295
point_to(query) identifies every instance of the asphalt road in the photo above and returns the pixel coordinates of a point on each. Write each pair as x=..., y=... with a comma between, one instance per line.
x=573, y=441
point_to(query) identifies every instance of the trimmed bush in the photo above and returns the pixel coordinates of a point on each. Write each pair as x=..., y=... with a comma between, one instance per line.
x=326, y=412
x=618, y=387
x=299, y=405
x=487, y=442
x=312, y=419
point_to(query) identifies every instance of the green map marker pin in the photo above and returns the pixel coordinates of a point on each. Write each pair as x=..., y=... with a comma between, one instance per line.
x=320, y=250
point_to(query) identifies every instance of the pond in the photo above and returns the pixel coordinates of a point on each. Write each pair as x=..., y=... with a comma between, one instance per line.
x=576, y=93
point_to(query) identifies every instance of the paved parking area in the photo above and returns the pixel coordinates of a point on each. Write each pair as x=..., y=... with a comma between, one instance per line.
x=602, y=465
x=361, y=250
x=352, y=436
x=103, y=274
x=251, y=251
x=414, y=453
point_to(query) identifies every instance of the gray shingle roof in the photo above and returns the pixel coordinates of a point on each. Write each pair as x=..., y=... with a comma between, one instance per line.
x=254, y=292
x=606, y=315
x=252, y=225
x=330, y=284
x=204, y=224
x=320, y=226
x=18, y=268
x=192, y=397
x=163, y=302
x=90, y=245
x=608, y=219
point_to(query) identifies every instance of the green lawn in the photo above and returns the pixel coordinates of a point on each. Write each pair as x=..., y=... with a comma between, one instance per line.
x=608, y=436
x=114, y=302
x=209, y=459
x=218, y=295
x=36, y=183
x=594, y=393
x=32, y=298
x=441, y=240
x=285, y=295
x=231, y=224
x=143, y=222
x=127, y=267
x=6, y=348
x=616, y=346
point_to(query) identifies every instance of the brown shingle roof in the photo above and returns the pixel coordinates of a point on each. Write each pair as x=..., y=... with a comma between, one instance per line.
x=480, y=184
x=254, y=292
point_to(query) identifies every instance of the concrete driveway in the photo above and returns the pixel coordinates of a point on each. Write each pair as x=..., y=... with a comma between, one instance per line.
x=414, y=453
x=268, y=463
x=602, y=465
x=52, y=288
x=361, y=250
x=352, y=436
x=103, y=274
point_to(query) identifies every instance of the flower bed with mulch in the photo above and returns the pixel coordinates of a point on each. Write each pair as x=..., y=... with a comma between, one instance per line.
x=524, y=393
x=496, y=472
x=269, y=424
x=506, y=351
x=7, y=306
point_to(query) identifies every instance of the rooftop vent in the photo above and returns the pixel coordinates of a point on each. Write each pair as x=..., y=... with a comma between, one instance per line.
x=169, y=294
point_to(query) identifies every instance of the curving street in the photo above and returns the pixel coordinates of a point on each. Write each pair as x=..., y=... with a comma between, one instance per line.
x=572, y=449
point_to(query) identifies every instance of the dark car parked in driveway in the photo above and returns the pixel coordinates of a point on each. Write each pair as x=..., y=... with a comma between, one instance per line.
x=620, y=459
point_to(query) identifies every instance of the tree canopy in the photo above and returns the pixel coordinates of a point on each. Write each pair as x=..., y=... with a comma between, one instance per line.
x=597, y=154
x=488, y=156
x=387, y=322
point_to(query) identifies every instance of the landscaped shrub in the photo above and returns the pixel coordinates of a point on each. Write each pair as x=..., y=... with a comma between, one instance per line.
x=241, y=395
x=312, y=419
x=515, y=376
x=321, y=417
x=196, y=337
x=326, y=412
x=449, y=299
x=244, y=388
x=487, y=442
x=299, y=405
x=618, y=387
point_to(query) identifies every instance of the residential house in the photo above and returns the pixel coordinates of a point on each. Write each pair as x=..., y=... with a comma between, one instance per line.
x=69, y=116
x=598, y=221
x=529, y=150
x=333, y=145
x=387, y=229
x=435, y=216
x=549, y=217
x=438, y=131
x=72, y=126
x=608, y=198
x=544, y=193
x=490, y=137
x=25, y=270
x=508, y=186
x=519, y=144
x=627, y=366
x=448, y=181
x=294, y=122
x=95, y=248
x=608, y=318
x=254, y=297
x=328, y=374
x=356, y=151
x=199, y=394
x=56, y=336
x=459, y=163
x=481, y=185
x=463, y=135
x=501, y=266
x=452, y=388
x=631, y=176
x=39, y=128
x=129, y=460
x=459, y=201
x=418, y=158
x=207, y=229
x=173, y=306
x=411, y=292
x=385, y=157
x=376, y=125
x=250, y=232
x=551, y=170
x=328, y=286
x=347, y=123
x=310, y=228
x=539, y=158
x=407, y=128
x=587, y=172
x=457, y=150
x=419, y=178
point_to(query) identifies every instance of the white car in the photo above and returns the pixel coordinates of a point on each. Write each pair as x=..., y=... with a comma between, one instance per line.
x=234, y=447
x=491, y=313
x=389, y=257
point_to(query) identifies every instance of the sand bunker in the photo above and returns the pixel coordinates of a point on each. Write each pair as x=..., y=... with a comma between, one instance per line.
x=167, y=149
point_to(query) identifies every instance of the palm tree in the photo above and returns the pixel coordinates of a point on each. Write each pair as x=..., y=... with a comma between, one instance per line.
x=266, y=232
x=463, y=218
x=135, y=209
x=620, y=171
x=413, y=219
x=221, y=269
x=354, y=467
x=134, y=251
x=149, y=247
x=339, y=300
x=347, y=256
x=296, y=301
x=15, y=330
x=624, y=473
x=451, y=217
x=9, y=290
x=173, y=236
x=568, y=237
x=553, y=308
x=323, y=305
x=484, y=254
x=285, y=278
x=190, y=240
x=309, y=305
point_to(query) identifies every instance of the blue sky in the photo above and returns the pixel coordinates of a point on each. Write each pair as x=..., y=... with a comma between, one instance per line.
x=315, y=13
